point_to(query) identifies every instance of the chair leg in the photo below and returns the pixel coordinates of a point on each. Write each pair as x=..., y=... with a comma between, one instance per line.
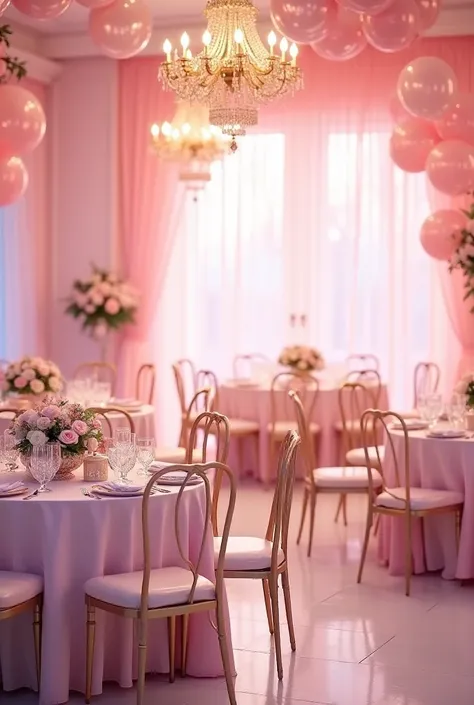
x=240, y=455
x=408, y=558
x=268, y=605
x=303, y=515
x=276, y=624
x=142, y=650
x=285, y=580
x=172, y=645
x=257, y=455
x=90, y=641
x=344, y=509
x=312, y=513
x=224, y=647
x=184, y=643
x=37, y=627
x=368, y=527
x=377, y=524
x=339, y=508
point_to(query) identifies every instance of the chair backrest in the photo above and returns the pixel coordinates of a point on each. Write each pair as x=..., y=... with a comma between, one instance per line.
x=279, y=522
x=244, y=362
x=370, y=379
x=207, y=379
x=145, y=384
x=354, y=398
x=215, y=426
x=200, y=536
x=376, y=421
x=185, y=378
x=358, y=362
x=100, y=371
x=307, y=442
x=200, y=403
x=104, y=412
x=425, y=380
x=281, y=406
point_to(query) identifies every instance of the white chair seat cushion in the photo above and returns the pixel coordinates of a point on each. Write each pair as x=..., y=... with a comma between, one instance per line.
x=349, y=478
x=413, y=414
x=352, y=425
x=168, y=586
x=242, y=426
x=281, y=428
x=356, y=456
x=420, y=498
x=246, y=553
x=170, y=455
x=16, y=588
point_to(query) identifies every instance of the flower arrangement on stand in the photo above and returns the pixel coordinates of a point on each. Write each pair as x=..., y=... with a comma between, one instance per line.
x=463, y=257
x=103, y=303
x=301, y=358
x=31, y=377
x=75, y=428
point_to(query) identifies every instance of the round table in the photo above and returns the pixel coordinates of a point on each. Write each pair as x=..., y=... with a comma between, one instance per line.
x=69, y=538
x=143, y=418
x=253, y=403
x=442, y=464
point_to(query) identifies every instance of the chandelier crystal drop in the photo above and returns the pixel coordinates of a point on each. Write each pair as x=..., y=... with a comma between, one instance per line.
x=235, y=72
x=190, y=140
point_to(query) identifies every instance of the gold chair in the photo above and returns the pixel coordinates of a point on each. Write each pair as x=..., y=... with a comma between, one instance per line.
x=252, y=558
x=341, y=480
x=145, y=384
x=19, y=593
x=247, y=359
x=159, y=593
x=102, y=371
x=199, y=404
x=185, y=376
x=281, y=404
x=359, y=362
x=104, y=411
x=401, y=500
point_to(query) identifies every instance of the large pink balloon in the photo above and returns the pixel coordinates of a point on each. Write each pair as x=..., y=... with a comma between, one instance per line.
x=345, y=39
x=429, y=11
x=427, y=87
x=366, y=7
x=411, y=142
x=440, y=234
x=92, y=4
x=302, y=21
x=121, y=29
x=3, y=6
x=42, y=9
x=457, y=122
x=395, y=28
x=22, y=121
x=450, y=167
x=13, y=180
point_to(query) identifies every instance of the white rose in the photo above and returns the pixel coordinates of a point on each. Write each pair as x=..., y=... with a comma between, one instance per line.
x=29, y=373
x=37, y=438
x=37, y=386
x=44, y=369
x=89, y=308
x=97, y=298
x=54, y=384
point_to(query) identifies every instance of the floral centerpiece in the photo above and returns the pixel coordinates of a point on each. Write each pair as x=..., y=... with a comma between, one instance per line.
x=463, y=257
x=301, y=358
x=103, y=303
x=32, y=376
x=75, y=428
x=466, y=386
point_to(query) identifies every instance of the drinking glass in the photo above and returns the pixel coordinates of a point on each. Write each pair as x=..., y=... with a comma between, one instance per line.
x=457, y=410
x=434, y=408
x=113, y=458
x=145, y=454
x=40, y=466
x=421, y=407
x=10, y=451
x=127, y=457
x=122, y=434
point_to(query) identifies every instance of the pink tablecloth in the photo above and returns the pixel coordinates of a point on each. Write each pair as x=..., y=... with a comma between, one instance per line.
x=69, y=538
x=254, y=404
x=442, y=464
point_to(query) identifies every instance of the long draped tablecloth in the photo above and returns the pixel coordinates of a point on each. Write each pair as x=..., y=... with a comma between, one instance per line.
x=69, y=538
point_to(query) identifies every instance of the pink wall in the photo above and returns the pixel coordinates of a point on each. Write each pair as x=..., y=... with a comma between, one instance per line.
x=83, y=142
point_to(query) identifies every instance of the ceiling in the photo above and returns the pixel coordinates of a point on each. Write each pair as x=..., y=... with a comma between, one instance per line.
x=181, y=12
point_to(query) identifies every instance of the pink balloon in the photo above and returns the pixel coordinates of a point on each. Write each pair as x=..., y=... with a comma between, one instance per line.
x=441, y=233
x=121, y=29
x=395, y=28
x=13, y=180
x=427, y=87
x=411, y=142
x=302, y=21
x=429, y=11
x=42, y=9
x=92, y=4
x=367, y=7
x=345, y=39
x=458, y=122
x=22, y=121
x=450, y=167
x=396, y=109
x=3, y=6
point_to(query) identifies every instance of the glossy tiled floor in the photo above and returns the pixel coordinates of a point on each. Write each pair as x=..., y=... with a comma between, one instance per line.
x=356, y=645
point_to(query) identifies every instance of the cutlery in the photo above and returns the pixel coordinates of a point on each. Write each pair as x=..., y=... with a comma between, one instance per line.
x=30, y=496
x=160, y=489
x=88, y=493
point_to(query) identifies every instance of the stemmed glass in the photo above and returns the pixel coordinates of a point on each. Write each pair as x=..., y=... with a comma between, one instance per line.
x=145, y=454
x=44, y=464
x=434, y=408
x=124, y=453
x=457, y=410
x=10, y=451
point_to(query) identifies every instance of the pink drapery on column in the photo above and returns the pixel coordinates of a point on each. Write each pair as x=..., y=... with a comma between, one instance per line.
x=149, y=198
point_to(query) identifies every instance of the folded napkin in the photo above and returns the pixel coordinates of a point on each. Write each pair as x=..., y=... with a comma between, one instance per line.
x=9, y=486
x=119, y=487
x=159, y=465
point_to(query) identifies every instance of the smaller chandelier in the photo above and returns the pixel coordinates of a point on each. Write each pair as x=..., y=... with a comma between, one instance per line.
x=235, y=72
x=190, y=140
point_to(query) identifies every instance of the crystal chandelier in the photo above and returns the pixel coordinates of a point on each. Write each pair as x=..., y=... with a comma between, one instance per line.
x=190, y=140
x=235, y=72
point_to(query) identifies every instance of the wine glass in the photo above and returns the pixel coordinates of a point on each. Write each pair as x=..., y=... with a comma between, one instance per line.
x=54, y=461
x=40, y=466
x=127, y=460
x=434, y=408
x=457, y=410
x=10, y=451
x=145, y=454
x=122, y=435
x=421, y=406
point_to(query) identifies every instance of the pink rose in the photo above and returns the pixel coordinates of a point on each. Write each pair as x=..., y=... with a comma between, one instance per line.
x=51, y=412
x=36, y=386
x=29, y=417
x=80, y=427
x=43, y=423
x=54, y=384
x=97, y=423
x=68, y=437
x=112, y=306
x=29, y=373
x=20, y=382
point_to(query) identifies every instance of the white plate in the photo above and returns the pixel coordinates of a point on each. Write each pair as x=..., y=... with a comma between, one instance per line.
x=446, y=433
x=178, y=479
x=411, y=424
x=132, y=404
x=109, y=492
x=15, y=492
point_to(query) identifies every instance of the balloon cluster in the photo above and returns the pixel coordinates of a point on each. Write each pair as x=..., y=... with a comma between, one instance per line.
x=120, y=28
x=341, y=30
x=22, y=124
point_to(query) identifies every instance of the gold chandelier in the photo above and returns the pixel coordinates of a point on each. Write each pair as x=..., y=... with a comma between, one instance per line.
x=190, y=140
x=235, y=72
